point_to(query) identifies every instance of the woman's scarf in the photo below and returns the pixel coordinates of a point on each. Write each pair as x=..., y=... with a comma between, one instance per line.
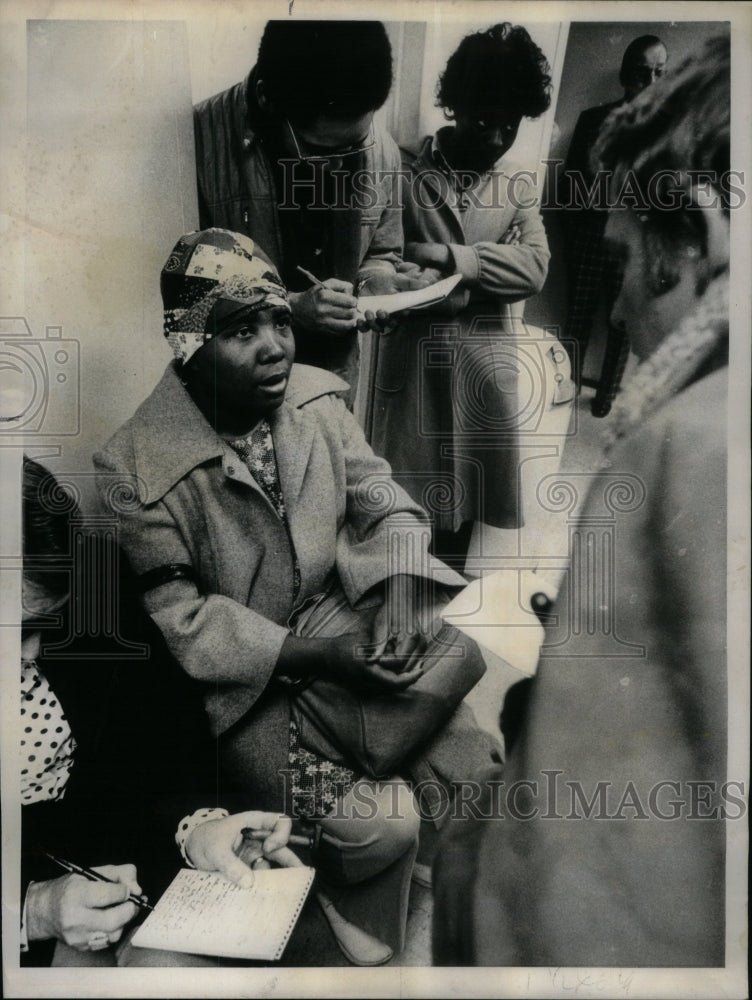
x=204, y=267
x=673, y=364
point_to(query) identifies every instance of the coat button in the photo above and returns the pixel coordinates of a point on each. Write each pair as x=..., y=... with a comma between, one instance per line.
x=230, y=470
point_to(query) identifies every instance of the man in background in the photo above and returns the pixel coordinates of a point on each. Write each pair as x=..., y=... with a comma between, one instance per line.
x=591, y=268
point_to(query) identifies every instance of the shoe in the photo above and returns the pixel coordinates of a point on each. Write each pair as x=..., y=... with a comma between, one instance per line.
x=358, y=947
x=422, y=875
x=600, y=407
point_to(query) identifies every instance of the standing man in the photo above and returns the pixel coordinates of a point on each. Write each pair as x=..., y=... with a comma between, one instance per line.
x=591, y=268
x=292, y=158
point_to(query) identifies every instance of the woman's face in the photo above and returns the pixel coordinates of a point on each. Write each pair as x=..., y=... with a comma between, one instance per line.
x=483, y=137
x=244, y=369
x=646, y=318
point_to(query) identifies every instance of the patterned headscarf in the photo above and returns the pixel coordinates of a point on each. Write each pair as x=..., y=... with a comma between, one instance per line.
x=205, y=267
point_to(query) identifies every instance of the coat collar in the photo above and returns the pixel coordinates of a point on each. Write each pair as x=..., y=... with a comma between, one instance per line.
x=171, y=436
x=427, y=156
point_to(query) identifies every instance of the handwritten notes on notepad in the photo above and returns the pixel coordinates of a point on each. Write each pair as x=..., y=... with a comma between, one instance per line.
x=204, y=914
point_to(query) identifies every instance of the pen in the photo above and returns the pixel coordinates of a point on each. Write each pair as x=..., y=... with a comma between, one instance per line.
x=319, y=284
x=295, y=840
x=311, y=277
x=93, y=876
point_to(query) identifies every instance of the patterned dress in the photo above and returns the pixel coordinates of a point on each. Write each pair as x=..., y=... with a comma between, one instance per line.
x=317, y=783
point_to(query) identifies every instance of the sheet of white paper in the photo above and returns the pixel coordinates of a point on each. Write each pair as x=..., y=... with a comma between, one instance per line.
x=204, y=914
x=418, y=299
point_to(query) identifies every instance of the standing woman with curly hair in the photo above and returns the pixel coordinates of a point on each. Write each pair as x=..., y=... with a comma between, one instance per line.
x=445, y=403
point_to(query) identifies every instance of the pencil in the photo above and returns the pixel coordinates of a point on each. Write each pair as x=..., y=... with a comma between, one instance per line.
x=294, y=840
x=311, y=277
x=93, y=876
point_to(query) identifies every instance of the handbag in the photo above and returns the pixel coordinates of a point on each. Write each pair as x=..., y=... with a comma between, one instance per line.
x=380, y=732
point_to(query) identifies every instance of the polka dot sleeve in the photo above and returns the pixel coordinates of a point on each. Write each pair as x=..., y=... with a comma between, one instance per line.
x=47, y=744
x=189, y=823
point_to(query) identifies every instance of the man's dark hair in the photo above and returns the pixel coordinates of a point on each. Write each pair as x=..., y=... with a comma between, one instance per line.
x=46, y=512
x=662, y=140
x=633, y=51
x=341, y=69
x=500, y=68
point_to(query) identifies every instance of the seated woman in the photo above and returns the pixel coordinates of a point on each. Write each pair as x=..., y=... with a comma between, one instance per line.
x=445, y=401
x=272, y=546
x=107, y=769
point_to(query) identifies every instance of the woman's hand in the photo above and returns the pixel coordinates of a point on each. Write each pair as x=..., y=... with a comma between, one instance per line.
x=353, y=659
x=329, y=309
x=512, y=236
x=72, y=908
x=401, y=627
x=232, y=845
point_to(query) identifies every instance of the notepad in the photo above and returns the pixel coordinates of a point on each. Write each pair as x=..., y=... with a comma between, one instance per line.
x=419, y=298
x=204, y=914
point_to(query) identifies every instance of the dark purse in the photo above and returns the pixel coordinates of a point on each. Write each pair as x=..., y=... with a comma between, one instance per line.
x=378, y=733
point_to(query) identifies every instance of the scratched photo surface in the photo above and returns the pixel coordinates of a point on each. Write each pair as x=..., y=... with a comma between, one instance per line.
x=567, y=428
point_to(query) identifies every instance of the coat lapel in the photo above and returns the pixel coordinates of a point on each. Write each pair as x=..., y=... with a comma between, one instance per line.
x=170, y=437
x=292, y=434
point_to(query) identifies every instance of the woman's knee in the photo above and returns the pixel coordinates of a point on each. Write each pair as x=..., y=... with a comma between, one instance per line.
x=375, y=824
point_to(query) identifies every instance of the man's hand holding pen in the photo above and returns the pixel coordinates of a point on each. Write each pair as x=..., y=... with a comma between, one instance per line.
x=328, y=307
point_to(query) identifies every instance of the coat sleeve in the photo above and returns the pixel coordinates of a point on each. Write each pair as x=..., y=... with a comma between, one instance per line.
x=511, y=271
x=515, y=271
x=385, y=249
x=214, y=638
x=384, y=533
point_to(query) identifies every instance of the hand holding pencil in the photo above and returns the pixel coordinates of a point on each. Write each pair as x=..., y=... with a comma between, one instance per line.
x=86, y=911
x=329, y=306
x=233, y=844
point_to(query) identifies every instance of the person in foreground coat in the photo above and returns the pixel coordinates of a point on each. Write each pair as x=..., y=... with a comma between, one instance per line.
x=445, y=401
x=253, y=495
x=607, y=845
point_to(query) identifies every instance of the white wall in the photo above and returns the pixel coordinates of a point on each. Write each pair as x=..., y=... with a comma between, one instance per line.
x=110, y=185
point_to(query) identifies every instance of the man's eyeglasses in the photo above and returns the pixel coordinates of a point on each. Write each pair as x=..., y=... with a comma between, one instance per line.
x=335, y=154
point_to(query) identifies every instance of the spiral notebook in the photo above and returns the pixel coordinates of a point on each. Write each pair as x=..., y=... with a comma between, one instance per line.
x=204, y=914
